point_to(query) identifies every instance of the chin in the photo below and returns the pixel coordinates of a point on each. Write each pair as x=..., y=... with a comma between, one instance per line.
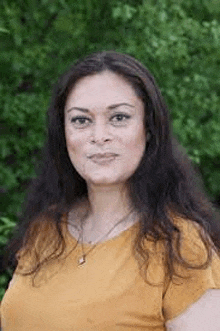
x=104, y=181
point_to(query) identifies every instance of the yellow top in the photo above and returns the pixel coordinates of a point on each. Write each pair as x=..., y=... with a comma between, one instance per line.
x=108, y=293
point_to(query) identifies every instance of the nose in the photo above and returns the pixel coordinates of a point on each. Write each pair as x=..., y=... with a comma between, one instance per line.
x=100, y=133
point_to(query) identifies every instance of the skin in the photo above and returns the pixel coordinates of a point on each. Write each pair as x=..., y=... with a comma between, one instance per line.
x=112, y=122
x=202, y=315
x=102, y=131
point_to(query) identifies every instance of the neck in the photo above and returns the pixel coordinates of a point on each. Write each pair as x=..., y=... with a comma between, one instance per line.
x=107, y=205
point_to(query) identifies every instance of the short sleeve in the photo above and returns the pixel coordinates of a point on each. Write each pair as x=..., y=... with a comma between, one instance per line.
x=2, y=302
x=0, y=315
x=181, y=293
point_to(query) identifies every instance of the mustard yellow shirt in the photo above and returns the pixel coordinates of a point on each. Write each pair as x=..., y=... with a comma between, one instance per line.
x=107, y=293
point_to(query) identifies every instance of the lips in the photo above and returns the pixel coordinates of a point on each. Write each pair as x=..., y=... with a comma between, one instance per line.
x=102, y=156
x=103, y=159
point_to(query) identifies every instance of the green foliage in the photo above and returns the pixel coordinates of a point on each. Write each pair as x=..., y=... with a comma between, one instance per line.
x=177, y=40
x=6, y=227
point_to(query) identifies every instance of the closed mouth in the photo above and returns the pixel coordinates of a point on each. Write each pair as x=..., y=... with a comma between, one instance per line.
x=102, y=156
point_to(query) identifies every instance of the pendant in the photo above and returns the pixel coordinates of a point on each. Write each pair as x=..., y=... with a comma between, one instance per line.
x=81, y=260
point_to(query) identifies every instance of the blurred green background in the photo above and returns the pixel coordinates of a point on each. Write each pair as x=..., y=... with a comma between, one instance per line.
x=178, y=40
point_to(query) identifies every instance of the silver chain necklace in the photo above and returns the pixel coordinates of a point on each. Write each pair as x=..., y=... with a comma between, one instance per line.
x=82, y=259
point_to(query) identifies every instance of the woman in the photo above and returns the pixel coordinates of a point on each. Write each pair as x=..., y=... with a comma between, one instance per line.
x=117, y=233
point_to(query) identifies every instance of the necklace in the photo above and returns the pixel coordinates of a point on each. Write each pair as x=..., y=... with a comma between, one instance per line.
x=82, y=259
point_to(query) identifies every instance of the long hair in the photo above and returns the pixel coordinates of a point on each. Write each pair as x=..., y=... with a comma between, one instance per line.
x=164, y=186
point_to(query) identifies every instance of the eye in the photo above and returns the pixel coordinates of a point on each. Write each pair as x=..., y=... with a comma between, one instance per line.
x=80, y=121
x=118, y=118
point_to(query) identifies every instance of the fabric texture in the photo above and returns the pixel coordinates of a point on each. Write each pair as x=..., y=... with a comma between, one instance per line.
x=108, y=293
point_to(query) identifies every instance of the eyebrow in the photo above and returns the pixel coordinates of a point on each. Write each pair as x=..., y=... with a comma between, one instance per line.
x=85, y=110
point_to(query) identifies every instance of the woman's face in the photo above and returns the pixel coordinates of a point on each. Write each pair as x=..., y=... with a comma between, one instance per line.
x=103, y=114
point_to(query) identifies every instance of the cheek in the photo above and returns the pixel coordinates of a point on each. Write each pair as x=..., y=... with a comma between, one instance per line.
x=74, y=142
x=135, y=143
x=75, y=148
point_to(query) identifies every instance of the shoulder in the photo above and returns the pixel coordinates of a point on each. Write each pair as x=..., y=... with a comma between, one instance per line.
x=193, y=240
x=199, y=289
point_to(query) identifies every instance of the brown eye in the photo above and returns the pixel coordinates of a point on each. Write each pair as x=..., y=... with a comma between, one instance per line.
x=120, y=118
x=80, y=121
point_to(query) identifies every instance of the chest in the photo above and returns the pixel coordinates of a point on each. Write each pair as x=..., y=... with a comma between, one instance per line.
x=93, y=235
x=107, y=293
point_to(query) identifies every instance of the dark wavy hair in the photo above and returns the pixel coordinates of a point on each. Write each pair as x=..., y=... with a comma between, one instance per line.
x=164, y=185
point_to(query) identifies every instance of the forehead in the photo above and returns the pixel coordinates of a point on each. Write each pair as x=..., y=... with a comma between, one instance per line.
x=104, y=89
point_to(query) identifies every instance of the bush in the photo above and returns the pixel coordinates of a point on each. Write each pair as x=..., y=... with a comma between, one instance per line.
x=177, y=41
